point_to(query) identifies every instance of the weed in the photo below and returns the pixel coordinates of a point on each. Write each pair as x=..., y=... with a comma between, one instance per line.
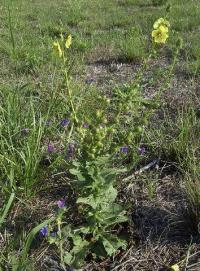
x=55, y=130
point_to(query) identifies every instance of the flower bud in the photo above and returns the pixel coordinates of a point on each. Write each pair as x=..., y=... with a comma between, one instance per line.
x=139, y=129
x=100, y=145
x=99, y=113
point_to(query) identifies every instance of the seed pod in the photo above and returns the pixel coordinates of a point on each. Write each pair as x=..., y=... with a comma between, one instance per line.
x=139, y=129
x=100, y=145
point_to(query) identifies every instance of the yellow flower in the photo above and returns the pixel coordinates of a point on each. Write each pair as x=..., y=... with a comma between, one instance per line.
x=57, y=48
x=161, y=22
x=160, y=35
x=175, y=267
x=68, y=41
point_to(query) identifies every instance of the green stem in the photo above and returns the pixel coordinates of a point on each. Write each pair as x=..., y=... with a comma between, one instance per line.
x=70, y=97
x=69, y=89
x=60, y=243
x=171, y=69
x=7, y=208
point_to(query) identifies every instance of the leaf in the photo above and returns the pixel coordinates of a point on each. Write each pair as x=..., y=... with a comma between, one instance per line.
x=84, y=229
x=88, y=200
x=79, y=250
x=104, y=198
x=112, y=244
x=98, y=250
x=114, y=214
x=115, y=220
x=68, y=258
x=110, y=194
x=67, y=231
x=7, y=208
x=77, y=240
x=77, y=173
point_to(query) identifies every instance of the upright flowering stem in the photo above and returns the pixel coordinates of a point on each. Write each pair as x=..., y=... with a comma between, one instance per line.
x=60, y=48
x=70, y=96
x=142, y=69
x=67, y=82
x=171, y=69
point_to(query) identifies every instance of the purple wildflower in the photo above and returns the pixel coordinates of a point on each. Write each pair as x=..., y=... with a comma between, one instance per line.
x=64, y=122
x=141, y=150
x=61, y=203
x=44, y=231
x=85, y=125
x=53, y=234
x=50, y=148
x=124, y=149
x=71, y=150
x=25, y=131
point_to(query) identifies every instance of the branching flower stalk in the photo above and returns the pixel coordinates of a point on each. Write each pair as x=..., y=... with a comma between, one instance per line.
x=60, y=49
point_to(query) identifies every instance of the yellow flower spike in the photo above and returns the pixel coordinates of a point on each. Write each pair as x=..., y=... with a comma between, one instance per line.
x=68, y=41
x=175, y=267
x=160, y=22
x=57, y=48
x=160, y=35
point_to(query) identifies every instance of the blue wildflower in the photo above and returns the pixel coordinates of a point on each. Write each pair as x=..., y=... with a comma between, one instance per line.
x=44, y=231
x=61, y=203
x=124, y=149
x=50, y=148
x=85, y=125
x=53, y=234
x=141, y=150
x=64, y=122
x=71, y=150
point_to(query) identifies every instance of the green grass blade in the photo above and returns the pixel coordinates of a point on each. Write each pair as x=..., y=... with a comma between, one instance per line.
x=7, y=208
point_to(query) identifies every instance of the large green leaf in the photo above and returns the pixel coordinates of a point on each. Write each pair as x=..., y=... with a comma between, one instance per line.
x=79, y=251
x=68, y=258
x=77, y=173
x=112, y=243
x=90, y=200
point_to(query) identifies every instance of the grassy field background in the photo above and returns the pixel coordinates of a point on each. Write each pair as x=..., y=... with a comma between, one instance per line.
x=110, y=42
x=102, y=30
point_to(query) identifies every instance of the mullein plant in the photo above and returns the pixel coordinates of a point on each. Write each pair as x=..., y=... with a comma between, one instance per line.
x=115, y=129
x=94, y=184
